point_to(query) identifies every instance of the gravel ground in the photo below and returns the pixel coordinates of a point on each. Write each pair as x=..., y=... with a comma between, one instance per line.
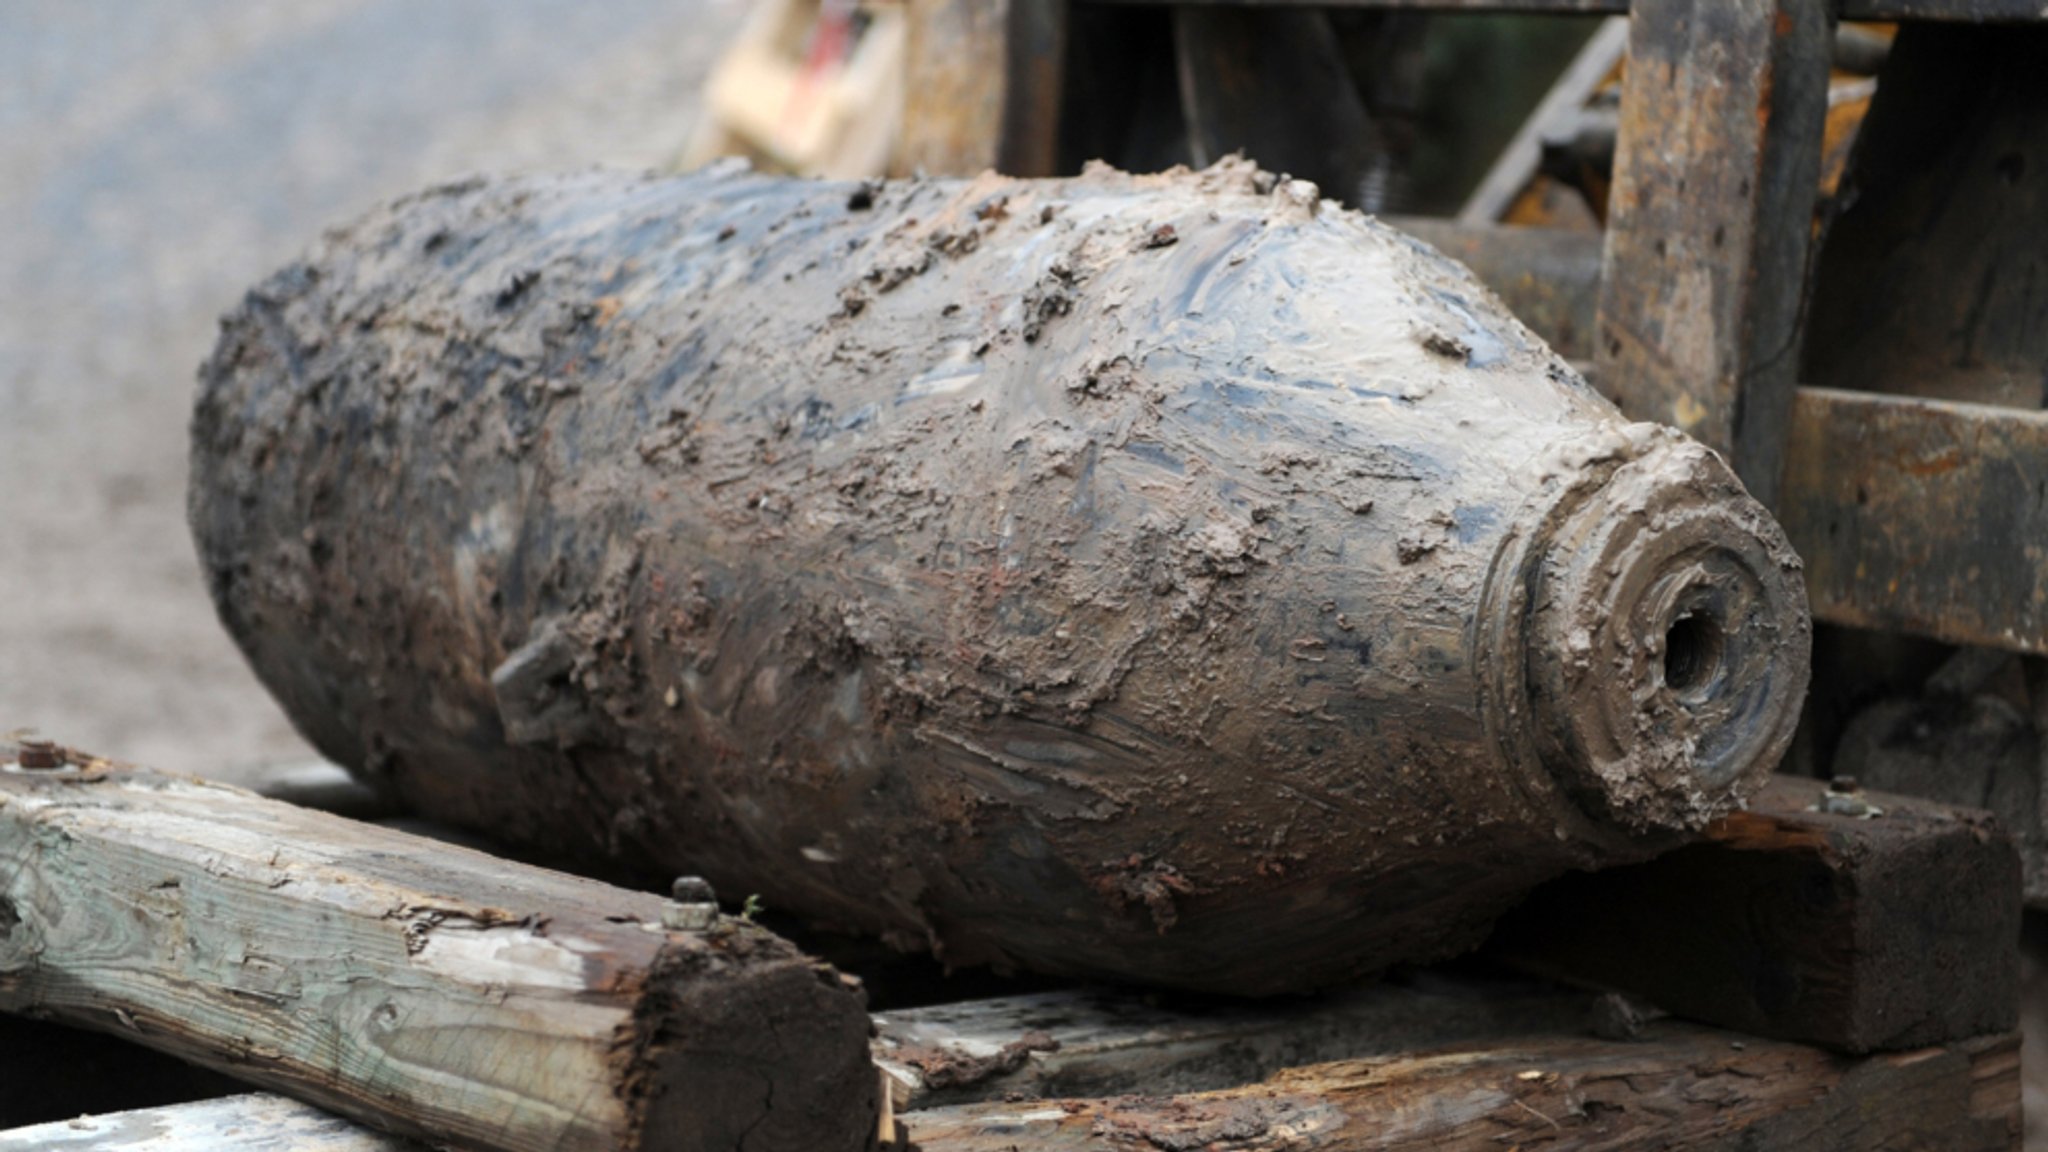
x=156, y=159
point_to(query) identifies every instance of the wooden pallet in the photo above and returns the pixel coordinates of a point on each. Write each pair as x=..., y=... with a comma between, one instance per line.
x=1872, y=934
x=1674, y=1086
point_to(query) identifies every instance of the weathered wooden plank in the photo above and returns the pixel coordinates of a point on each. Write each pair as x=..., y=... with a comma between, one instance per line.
x=253, y=1122
x=1922, y=516
x=1890, y=931
x=1034, y=63
x=1718, y=158
x=984, y=83
x=419, y=987
x=1091, y=1042
x=953, y=116
x=1679, y=1086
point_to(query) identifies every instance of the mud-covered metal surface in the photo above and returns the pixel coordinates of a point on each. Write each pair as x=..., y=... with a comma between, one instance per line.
x=1172, y=578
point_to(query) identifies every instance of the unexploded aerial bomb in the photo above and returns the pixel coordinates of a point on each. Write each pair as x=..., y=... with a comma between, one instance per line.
x=966, y=562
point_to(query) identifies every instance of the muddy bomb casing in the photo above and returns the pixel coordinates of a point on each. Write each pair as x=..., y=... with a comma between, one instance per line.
x=1172, y=578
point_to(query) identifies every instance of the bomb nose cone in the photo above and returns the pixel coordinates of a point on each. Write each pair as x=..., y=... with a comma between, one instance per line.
x=1669, y=643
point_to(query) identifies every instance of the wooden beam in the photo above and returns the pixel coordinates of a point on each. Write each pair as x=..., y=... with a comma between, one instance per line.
x=1716, y=164
x=1034, y=66
x=1922, y=516
x=52, y=1072
x=1094, y=1042
x=421, y=988
x=1679, y=1086
x=254, y=1122
x=953, y=113
x=984, y=79
x=1856, y=932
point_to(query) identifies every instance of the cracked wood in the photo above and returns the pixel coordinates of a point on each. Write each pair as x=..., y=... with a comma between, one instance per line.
x=425, y=989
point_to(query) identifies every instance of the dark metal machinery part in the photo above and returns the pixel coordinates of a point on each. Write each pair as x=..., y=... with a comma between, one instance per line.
x=1144, y=577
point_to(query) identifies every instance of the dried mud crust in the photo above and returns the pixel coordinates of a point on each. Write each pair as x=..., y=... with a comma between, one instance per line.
x=1124, y=575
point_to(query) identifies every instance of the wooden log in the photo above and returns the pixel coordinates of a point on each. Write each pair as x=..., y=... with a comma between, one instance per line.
x=1861, y=933
x=1682, y=1086
x=1092, y=1042
x=253, y=1122
x=421, y=988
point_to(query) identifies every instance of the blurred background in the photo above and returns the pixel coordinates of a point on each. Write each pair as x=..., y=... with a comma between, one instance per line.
x=159, y=159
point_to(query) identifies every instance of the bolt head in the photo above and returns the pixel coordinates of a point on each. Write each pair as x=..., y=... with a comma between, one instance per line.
x=693, y=890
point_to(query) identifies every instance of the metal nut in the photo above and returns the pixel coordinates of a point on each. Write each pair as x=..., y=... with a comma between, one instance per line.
x=693, y=906
x=688, y=917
